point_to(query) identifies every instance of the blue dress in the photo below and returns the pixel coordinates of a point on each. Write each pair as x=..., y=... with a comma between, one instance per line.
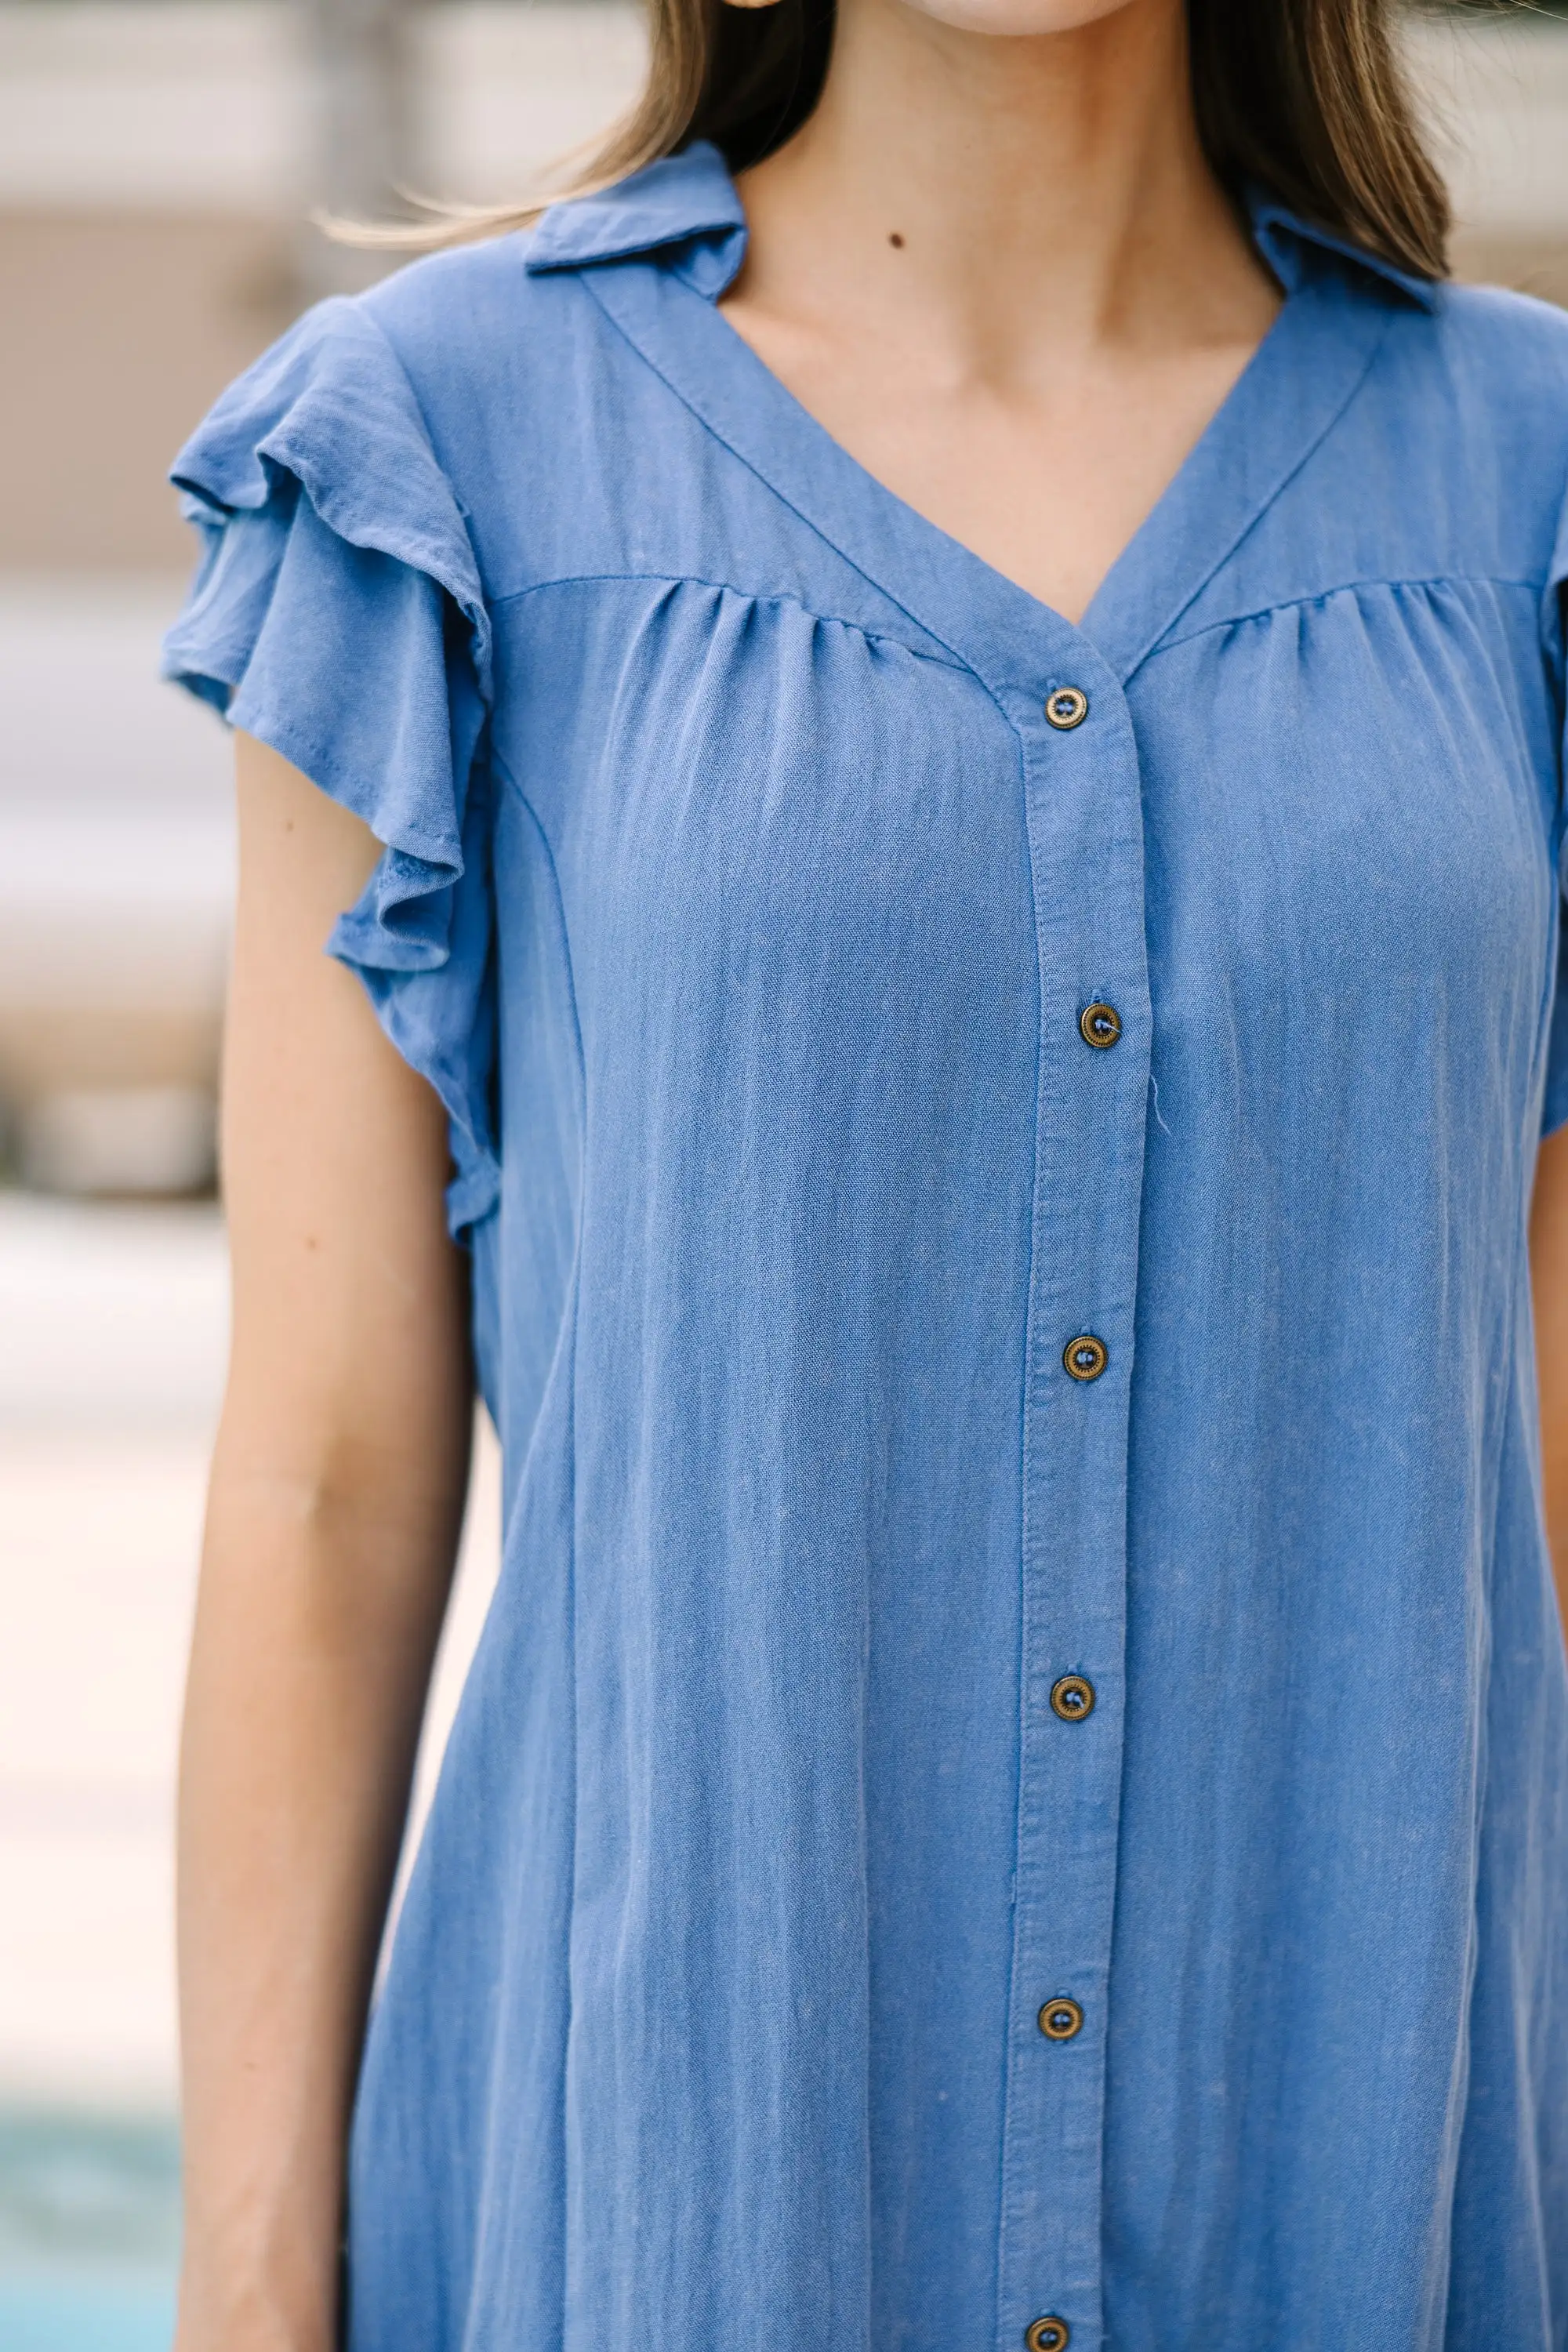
x=1014, y=1790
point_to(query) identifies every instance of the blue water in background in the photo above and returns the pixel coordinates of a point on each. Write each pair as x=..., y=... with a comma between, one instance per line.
x=89, y=2232
x=63, y=2315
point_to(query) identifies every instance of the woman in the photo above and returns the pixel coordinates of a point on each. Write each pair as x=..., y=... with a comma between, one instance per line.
x=967, y=727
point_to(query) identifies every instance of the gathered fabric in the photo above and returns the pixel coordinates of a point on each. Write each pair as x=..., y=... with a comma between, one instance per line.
x=1017, y=1775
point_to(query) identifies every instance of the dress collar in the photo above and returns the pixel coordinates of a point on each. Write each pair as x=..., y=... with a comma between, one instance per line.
x=1288, y=244
x=685, y=208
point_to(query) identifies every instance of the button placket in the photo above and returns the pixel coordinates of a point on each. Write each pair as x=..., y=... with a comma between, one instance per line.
x=1084, y=816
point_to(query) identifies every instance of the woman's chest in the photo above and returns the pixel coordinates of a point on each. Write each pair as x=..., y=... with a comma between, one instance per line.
x=1345, y=814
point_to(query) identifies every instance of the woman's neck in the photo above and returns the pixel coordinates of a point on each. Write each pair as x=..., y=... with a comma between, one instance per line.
x=1022, y=198
x=998, y=271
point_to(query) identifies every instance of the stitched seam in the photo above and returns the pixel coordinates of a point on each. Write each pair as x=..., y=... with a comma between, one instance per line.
x=573, y=1312
x=774, y=490
x=961, y=667
x=1266, y=507
x=501, y=766
x=946, y=659
x=1025, y=1460
x=1346, y=588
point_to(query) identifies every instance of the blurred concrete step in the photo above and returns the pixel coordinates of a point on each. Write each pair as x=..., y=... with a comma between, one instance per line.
x=109, y=1316
x=116, y=885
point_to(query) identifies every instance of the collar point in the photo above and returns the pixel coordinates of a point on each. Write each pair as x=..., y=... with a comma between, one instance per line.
x=680, y=200
x=1280, y=236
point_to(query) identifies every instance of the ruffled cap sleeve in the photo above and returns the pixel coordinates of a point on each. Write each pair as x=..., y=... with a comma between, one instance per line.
x=337, y=615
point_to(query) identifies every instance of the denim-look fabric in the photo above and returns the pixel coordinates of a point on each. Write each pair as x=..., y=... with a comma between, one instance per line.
x=742, y=903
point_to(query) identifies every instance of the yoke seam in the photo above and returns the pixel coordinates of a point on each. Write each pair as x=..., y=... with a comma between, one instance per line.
x=945, y=658
x=809, y=522
x=1345, y=588
x=959, y=667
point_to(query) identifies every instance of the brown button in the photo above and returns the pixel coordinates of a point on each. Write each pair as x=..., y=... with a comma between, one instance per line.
x=1064, y=708
x=1086, y=1356
x=1060, y=2018
x=1048, y=2335
x=1099, y=1024
x=1072, y=1698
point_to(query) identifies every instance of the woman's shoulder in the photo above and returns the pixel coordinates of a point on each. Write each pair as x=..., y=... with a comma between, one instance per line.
x=1496, y=365
x=462, y=306
x=409, y=412
x=1510, y=344
x=489, y=346
x=1467, y=427
x=437, y=354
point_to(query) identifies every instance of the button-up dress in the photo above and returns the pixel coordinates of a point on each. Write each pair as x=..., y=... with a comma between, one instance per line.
x=1015, y=1788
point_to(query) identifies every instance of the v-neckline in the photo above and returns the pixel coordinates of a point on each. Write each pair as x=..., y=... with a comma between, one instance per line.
x=1060, y=619
x=1302, y=374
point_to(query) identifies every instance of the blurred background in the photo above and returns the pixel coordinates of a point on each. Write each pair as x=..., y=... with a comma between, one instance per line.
x=159, y=160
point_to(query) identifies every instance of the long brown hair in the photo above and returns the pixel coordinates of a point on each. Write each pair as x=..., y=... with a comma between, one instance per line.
x=1305, y=97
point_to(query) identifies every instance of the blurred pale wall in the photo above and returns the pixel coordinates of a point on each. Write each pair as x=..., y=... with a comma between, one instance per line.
x=154, y=171
x=1495, y=93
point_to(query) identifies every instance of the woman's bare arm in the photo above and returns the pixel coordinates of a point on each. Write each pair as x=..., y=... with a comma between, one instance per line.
x=336, y=1498
x=1549, y=1280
